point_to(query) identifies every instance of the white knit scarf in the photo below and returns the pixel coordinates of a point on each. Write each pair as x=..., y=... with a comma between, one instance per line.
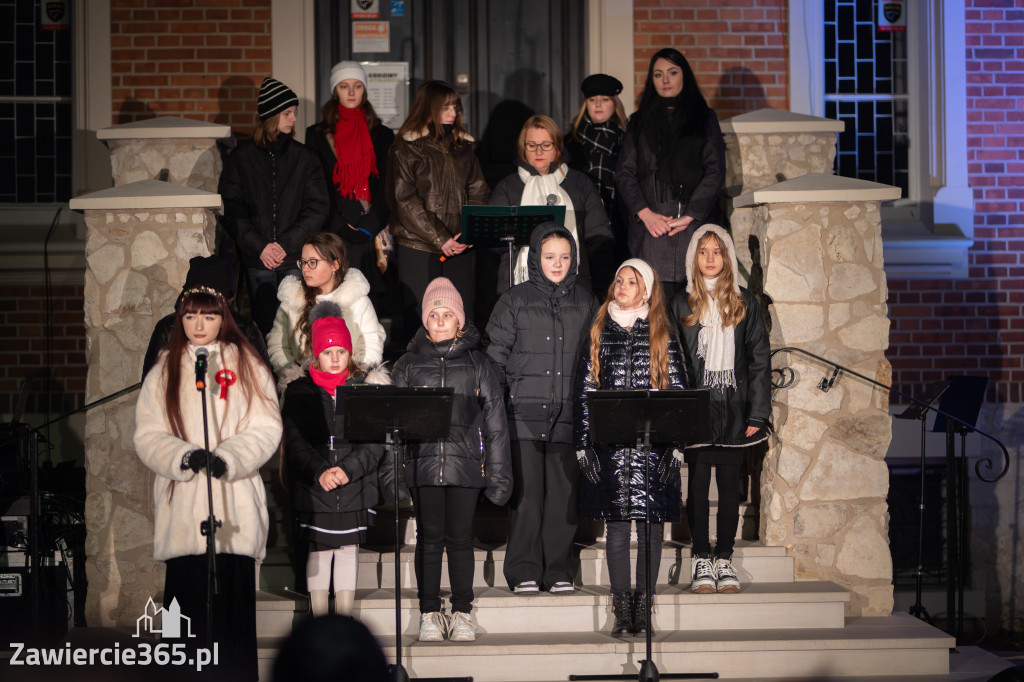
x=716, y=344
x=536, y=189
x=627, y=318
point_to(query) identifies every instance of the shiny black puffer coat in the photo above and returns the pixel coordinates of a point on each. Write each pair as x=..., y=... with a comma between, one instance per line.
x=625, y=364
x=476, y=452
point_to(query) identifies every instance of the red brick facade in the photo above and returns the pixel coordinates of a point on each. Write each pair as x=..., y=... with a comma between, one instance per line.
x=737, y=48
x=200, y=59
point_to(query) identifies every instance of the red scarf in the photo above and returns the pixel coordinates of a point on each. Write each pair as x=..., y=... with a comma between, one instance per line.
x=356, y=158
x=327, y=381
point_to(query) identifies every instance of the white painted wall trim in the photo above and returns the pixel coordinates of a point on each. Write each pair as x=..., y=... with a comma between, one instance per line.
x=610, y=44
x=293, y=55
x=806, y=68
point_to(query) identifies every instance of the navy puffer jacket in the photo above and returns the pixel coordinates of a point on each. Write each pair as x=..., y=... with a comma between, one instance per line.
x=625, y=364
x=537, y=331
x=476, y=452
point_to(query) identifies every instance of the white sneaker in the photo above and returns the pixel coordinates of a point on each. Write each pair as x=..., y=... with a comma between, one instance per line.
x=702, y=576
x=460, y=628
x=433, y=626
x=725, y=575
x=527, y=587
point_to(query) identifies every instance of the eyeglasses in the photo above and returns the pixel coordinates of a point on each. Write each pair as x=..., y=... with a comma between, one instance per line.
x=545, y=146
x=310, y=263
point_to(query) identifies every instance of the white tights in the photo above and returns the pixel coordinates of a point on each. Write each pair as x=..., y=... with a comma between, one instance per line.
x=346, y=566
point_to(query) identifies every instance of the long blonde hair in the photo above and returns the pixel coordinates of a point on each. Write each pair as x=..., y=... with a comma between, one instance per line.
x=730, y=306
x=618, y=117
x=659, y=334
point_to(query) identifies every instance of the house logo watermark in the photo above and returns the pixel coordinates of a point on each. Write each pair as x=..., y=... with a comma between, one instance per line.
x=171, y=621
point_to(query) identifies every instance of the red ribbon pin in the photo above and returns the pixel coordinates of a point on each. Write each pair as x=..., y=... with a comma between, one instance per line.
x=225, y=378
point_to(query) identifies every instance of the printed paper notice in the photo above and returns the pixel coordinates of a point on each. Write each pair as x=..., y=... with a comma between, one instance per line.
x=371, y=36
x=364, y=9
x=389, y=90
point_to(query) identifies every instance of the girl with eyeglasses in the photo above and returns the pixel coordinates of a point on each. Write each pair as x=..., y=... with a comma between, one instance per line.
x=325, y=276
x=544, y=178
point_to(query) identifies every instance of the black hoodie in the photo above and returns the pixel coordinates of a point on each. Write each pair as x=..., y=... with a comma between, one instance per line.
x=536, y=332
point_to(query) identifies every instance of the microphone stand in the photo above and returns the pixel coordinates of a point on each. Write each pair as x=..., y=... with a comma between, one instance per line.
x=210, y=525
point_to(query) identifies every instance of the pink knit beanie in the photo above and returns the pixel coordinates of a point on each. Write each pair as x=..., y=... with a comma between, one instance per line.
x=441, y=293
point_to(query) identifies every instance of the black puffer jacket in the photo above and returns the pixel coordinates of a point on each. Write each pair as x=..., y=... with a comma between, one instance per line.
x=273, y=194
x=476, y=452
x=308, y=415
x=536, y=335
x=625, y=364
x=749, y=404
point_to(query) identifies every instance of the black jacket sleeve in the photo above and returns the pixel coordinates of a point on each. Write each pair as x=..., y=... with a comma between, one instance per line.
x=759, y=367
x=627, y=172
x=315, y=205
x=302, y=415
x=703, y=202
x=498, y=460
x=158, y=339
x=237, y=220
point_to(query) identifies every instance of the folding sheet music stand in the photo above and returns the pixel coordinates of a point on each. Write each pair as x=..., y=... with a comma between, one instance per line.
x=506, y=226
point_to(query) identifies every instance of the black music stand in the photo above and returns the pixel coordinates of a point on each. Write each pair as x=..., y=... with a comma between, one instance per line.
x=393, y=415
x=672, y=417
x=505, y=226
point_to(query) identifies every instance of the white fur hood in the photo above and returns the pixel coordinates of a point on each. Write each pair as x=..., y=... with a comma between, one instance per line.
x=291, y=292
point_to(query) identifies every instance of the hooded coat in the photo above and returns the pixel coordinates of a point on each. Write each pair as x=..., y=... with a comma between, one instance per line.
x=625, y=357
x=537, y=332
x=476, y=452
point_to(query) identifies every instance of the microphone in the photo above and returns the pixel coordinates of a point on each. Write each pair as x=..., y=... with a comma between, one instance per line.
x=552, y=200
x=201, y=355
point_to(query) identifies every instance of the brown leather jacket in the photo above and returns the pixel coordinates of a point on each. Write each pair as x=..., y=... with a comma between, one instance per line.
x=428, y=183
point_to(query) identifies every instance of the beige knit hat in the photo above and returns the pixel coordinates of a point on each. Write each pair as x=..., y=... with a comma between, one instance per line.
x=441, y=293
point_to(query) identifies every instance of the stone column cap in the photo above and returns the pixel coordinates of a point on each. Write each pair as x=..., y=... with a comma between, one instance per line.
x=147, y=194
x=166, y=127
x=818, y=187
x=765, y=121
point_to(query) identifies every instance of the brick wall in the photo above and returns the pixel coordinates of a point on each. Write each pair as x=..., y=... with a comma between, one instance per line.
x=200, y=59
x=975, y=326
x=23, y=348
x=737, y=48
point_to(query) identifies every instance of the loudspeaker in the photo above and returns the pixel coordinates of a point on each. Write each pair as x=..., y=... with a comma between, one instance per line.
x=16, y=605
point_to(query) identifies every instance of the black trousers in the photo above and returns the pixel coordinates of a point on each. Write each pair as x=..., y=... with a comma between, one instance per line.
x=543, y=513
x=698, y=508
x=415, y=271
x=617, y=535
x=234, y=612
x=444, y=523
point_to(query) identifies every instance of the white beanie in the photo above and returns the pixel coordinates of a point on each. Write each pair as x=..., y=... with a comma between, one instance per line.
x=345, y=70
x=645, y=270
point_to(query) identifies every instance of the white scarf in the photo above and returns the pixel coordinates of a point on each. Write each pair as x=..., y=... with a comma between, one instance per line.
x=716, y=344
x=627, y=318
x=536, y=189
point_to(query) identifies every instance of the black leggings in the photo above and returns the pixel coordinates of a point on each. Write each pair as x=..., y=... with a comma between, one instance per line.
x=617, y=534
x=698, y=508
x=444, y=523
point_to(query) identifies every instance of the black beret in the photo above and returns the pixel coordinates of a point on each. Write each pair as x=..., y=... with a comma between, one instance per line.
x=600, y=84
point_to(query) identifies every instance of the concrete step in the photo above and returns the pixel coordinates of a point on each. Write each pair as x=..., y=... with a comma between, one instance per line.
x=499, y=611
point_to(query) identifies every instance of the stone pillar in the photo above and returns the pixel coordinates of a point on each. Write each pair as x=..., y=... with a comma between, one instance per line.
x=768, y=146
x=140, y=238
x=187, y=148
x=825, y=481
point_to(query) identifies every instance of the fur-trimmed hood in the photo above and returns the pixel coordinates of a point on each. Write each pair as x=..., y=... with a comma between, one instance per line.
x=291, y=292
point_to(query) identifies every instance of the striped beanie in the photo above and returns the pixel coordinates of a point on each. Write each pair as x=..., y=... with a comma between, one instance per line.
x=274, y=98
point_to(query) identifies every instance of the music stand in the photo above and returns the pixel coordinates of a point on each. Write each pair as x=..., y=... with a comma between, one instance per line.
x=394, y=415
x=505, y=226
x=671, y=417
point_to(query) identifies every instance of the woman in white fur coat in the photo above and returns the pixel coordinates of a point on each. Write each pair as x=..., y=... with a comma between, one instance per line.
x=326, y=276
x=244, y=425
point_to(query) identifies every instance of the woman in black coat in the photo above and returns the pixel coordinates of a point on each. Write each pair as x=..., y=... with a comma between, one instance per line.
x=544, y=178
x=671, y=167
x=536, y=332
x=632, y=346
x=352, y=144
x=727, y=351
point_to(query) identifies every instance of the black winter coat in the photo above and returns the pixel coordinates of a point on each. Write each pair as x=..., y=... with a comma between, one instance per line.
x=592, y=227
x=476, y=452
x=639, y=188
x=749, y=404
x=536, y=332
x=309, y=422
x=347, y=211
x=273, y=194
x=625, y=364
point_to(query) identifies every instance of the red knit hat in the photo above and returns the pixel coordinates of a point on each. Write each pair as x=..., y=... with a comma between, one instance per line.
x=329, y=332
x=441, y=293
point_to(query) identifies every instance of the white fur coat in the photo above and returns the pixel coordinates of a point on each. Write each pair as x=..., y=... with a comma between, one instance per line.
x=245, y=433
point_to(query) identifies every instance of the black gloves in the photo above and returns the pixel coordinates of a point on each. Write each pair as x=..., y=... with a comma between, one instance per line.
x=589, y=465
x=668, y=467
x=197, y=459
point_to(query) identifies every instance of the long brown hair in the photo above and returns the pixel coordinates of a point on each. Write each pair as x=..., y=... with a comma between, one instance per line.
x=730, y=306
x=618, y=116
x=329, y=113
x=249, y=359
x=659, y=328
x=329, y=247
x=425, y=112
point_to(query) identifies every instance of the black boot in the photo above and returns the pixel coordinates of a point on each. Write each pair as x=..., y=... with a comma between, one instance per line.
x=622, y=607
x=640, y=614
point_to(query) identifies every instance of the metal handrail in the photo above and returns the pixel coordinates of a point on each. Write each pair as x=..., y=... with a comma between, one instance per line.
x=826, y=383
